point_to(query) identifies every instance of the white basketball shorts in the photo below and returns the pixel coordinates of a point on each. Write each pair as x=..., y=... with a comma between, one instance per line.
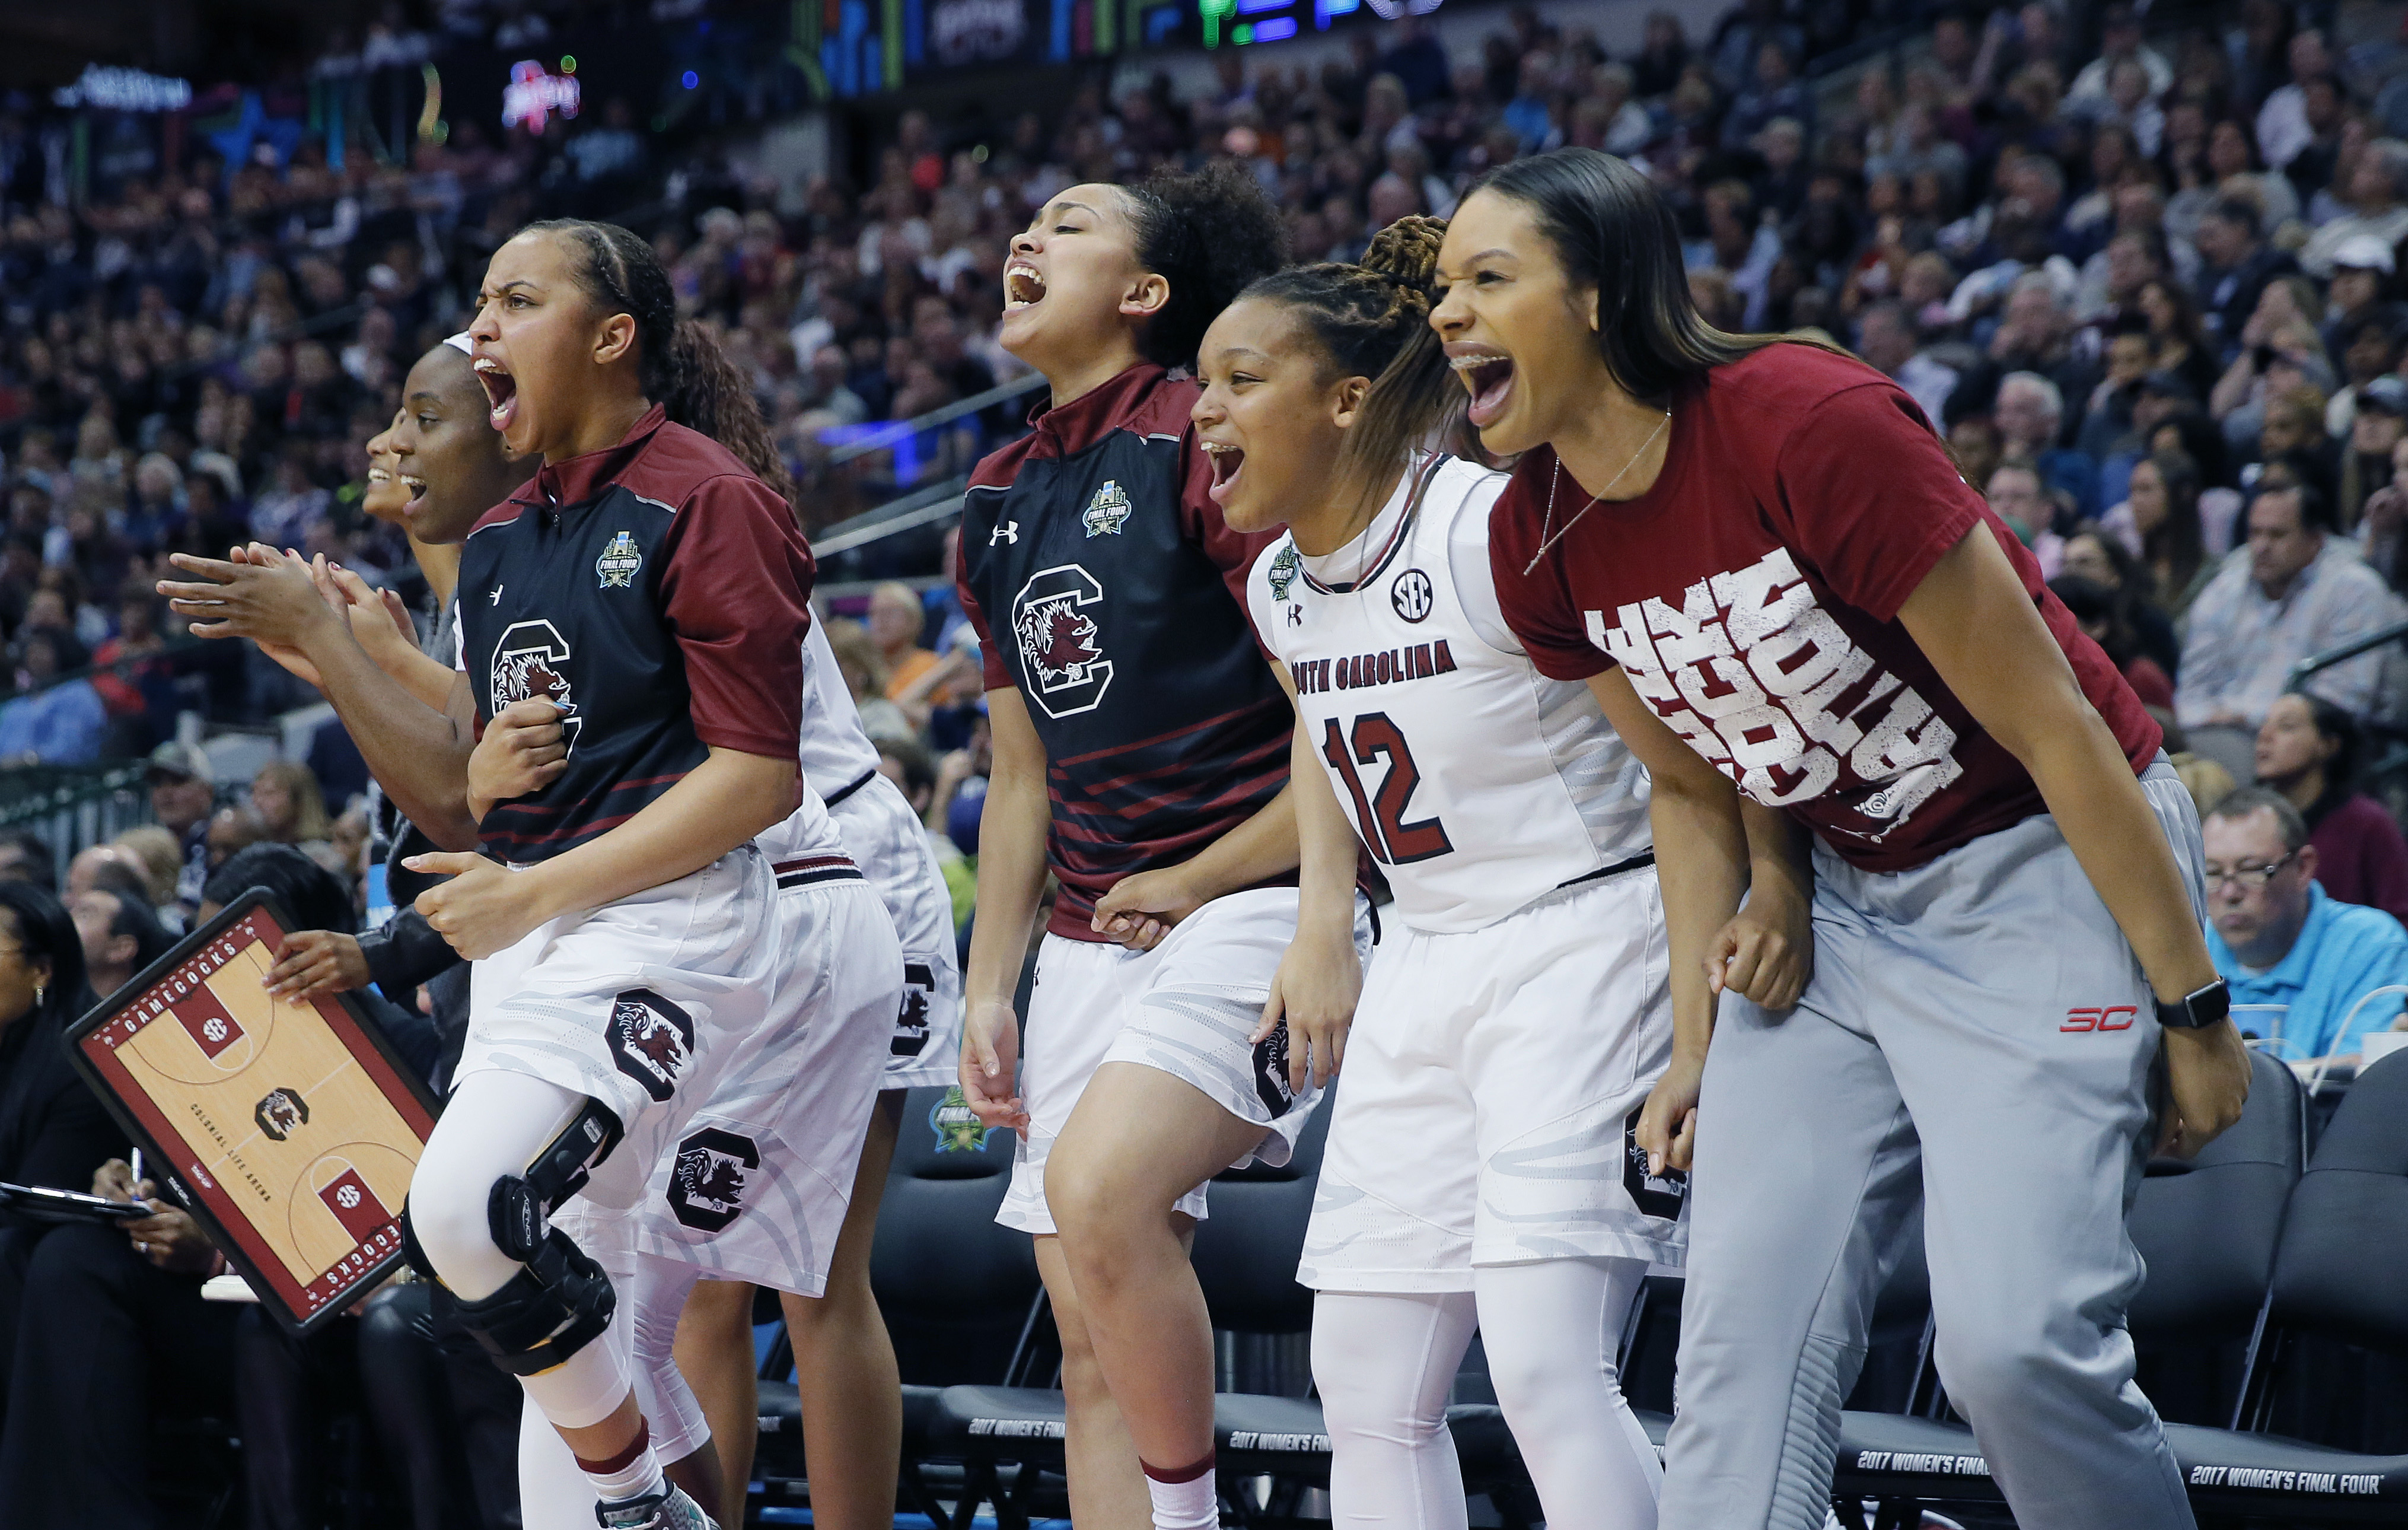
x=625, y=1003
x=754, y=1186
x=887, y=841
x=1185, y=1007
x=1490, y=1083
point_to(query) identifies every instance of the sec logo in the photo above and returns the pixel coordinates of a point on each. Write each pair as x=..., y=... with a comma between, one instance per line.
x=1412, y=596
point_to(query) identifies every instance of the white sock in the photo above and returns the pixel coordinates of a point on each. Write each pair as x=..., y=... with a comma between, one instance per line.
x=1192, y=1502
x=632, y=1473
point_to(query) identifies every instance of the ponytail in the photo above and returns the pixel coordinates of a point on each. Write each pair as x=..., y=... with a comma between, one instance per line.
x=1372, y=319
x=680, y=363
x=702, y=391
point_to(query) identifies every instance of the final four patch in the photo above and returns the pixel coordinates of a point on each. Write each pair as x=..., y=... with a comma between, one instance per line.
x=1283, y=571
x=618, y=563
x=1107, y=509
x=956, y=1126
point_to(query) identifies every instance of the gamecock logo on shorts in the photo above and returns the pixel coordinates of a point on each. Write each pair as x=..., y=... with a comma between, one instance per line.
x=528, y=665
x=1270, y=1073
x=652, y=1040
x=912, y=1022
x=1062, y=661
x=283, y=1113
x=707, y=1186
x=1659, y=1196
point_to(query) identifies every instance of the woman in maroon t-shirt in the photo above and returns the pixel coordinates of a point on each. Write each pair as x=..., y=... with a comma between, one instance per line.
x=1761, y=552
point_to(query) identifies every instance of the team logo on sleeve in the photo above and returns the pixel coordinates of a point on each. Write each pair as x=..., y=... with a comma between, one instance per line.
x=282, y=1113
x=618, y=563
x=529, y=664
x=1062, y=661
x=1107, y=511
x=713, y=1169
x=652, y=1040
x=1412, y=596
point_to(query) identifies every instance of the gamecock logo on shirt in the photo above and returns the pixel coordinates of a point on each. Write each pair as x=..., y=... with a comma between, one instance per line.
x=1062, y=661
x=706, y=1185
x=528, y=665
x=651, y=1040
x=1766, y=687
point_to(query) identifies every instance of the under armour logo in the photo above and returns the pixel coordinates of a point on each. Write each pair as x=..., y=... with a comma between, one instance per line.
x=1295, y=615
x=494, y=595
x=1008, y=531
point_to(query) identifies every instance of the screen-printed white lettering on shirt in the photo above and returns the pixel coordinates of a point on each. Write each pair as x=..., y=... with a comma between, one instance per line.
x=1764, y=684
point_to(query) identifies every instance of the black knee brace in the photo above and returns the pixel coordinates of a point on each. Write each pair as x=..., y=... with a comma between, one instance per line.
x=555, y=1306
x=519, y=1205
x=516, y=1209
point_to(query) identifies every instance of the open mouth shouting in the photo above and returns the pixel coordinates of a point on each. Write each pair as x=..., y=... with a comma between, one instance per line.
x=501, y=393
x=1023, y=286
x=1228, y=463
x=1487, y=375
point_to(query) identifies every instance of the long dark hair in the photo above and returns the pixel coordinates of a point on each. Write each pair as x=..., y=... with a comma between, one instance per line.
x=679, y=361
x=2337, y=726
x=1372, y=319
x=48, y=933
x=2179, y=541
x=1612, y=231
x=1209, y=233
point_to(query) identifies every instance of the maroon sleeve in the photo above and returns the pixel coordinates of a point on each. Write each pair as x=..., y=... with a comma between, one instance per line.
x=1871, y=496
x=1537, y=601
x=990, y=656
x=736, y=587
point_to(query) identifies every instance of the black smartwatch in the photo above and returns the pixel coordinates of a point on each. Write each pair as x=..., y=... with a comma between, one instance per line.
x=2192, y=1011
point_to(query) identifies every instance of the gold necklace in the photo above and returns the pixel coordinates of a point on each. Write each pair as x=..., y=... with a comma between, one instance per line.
x=1556, y=476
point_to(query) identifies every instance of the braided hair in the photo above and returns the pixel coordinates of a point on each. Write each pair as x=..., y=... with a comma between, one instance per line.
x=1372, y=319
x=678, y=362
x=1208, y=234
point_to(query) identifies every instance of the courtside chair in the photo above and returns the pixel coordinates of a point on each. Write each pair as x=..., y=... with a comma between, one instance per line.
x=960, y=1295
x=2208, y=1234
x=1246, y=1252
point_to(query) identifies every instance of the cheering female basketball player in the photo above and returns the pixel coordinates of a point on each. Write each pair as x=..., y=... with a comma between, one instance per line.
x=1761, y=560
x=1476, y=1171
x=845, y=1366
x=850, y=1401
x=632, y=938
x=1137, y=732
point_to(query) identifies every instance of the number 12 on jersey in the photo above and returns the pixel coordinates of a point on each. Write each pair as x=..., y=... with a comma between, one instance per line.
x=1392, y=841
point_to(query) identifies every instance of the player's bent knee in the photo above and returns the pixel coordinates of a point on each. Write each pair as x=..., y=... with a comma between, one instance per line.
x=449, y=1237
x=559, y=1302
x=1999, y=1369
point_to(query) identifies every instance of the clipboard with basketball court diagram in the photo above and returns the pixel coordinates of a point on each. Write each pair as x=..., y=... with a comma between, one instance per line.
x=292, y=1128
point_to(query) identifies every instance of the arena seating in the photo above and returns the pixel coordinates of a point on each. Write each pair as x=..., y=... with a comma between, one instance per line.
x=2242, y=1239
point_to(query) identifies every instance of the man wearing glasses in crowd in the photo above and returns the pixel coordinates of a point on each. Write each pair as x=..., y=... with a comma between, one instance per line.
x=2306, y=968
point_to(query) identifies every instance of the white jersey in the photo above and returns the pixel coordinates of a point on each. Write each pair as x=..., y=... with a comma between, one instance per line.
x=835, y=753
x=1476, y=781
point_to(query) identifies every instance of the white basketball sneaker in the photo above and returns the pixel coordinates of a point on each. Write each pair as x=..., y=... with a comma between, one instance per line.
x=670, y=1510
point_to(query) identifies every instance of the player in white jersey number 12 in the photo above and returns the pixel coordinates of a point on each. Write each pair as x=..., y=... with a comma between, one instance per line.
x=1481, y=1166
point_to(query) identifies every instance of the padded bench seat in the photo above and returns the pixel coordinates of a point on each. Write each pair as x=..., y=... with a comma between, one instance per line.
x=1890, y=1455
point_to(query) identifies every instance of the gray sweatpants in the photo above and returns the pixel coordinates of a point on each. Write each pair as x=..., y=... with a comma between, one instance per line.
x=1977, y=1032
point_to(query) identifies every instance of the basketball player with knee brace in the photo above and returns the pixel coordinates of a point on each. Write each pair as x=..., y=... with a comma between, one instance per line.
x=622, y=920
